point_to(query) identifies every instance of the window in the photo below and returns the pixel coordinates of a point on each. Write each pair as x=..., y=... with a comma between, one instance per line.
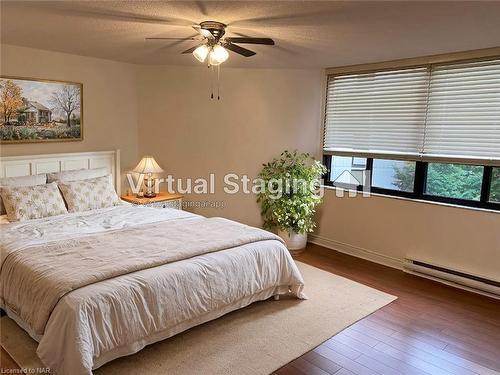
x=460, y=184
x=393, y=174
x=454, y=181
x=429, y=131
x=495, y=186
x=347, y=171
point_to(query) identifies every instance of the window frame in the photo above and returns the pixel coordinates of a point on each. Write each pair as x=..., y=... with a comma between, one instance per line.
x=420, y=182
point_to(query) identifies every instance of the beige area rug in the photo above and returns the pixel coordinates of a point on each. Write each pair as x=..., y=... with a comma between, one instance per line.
x=258, y=339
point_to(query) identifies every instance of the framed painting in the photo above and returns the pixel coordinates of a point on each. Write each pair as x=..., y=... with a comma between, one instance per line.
x=36, y=110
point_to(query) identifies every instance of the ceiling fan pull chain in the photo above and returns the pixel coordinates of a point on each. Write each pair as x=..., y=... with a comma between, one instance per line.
x=211, y=81
x=218, y=82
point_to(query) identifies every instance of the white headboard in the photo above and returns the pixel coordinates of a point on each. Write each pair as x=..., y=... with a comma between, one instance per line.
x=14, y=166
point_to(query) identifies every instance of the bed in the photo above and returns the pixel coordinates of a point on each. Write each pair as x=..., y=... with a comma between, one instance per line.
x=97, y=285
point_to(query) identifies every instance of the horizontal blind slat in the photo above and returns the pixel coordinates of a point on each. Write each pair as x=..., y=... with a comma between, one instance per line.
x=377, y=111
x=458, y=121
x=451, y=109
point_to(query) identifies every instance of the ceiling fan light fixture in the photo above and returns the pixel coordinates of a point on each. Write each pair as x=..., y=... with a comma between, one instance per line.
x=201, y=53
x=218, y=55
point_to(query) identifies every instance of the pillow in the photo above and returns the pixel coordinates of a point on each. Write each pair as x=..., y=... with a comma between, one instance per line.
x=77, y=175
x=32, y=202
x=37, y=179
x=90, y=194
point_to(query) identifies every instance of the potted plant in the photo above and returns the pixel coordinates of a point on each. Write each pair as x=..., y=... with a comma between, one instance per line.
x=289, y=196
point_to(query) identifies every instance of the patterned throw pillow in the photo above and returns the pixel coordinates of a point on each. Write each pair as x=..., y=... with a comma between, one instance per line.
x=32, y=202
x=37, y=179
x=90, y=194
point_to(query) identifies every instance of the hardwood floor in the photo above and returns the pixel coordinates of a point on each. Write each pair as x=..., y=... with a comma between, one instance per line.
x=430, y=329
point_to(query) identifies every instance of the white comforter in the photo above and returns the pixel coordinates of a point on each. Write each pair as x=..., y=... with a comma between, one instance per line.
x=96, y=323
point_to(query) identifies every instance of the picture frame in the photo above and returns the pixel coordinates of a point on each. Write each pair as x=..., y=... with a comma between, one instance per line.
x=36, y=110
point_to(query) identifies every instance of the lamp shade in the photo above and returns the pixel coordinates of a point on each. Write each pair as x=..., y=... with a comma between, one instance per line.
x=201, y=53
x=217, y=55
x=148, y=165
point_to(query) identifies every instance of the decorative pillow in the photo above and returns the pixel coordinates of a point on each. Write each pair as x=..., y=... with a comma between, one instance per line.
x=89, y=194
x=37, y=179
x=77, y=175
x=32, y=202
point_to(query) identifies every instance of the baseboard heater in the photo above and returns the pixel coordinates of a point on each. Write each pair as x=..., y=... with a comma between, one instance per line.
x=452, y=277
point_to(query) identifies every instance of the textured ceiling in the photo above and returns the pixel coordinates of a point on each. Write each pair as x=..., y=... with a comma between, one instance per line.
x=307, y=33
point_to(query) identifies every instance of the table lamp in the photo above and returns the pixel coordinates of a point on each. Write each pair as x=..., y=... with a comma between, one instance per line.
x=148, y=166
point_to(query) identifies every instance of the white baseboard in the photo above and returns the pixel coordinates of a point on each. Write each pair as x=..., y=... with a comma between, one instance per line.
x=385, y=260
x=359, y=252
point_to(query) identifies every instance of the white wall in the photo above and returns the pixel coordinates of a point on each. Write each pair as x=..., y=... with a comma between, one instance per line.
x=262, y=112
x=390, y=229
x=109, y=100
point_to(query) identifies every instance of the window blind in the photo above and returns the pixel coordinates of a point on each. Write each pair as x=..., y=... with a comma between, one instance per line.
x=450, y=111
x=377, y=112
x=463, y=117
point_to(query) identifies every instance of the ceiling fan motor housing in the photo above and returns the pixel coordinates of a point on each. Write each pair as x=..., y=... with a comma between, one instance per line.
x=217, y=29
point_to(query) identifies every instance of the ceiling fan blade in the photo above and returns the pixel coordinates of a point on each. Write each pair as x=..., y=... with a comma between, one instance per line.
x=190, y=50
x=204, y=32
x=154, y=38
x=250, y=40
x=239, y=50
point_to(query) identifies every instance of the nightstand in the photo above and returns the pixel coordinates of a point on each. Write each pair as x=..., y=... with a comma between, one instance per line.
x=162, y=200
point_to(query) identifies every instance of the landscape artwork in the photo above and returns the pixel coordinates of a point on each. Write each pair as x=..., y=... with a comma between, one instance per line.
x=40, y=111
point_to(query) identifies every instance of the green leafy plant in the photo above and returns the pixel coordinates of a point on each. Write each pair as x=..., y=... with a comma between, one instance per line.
x=288, y=197
x=446, y=180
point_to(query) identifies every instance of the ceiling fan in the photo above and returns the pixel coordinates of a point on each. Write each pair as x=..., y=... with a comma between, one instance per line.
x=214, y=47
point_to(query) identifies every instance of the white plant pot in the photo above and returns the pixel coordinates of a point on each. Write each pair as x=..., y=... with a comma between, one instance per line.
x=295, y=242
